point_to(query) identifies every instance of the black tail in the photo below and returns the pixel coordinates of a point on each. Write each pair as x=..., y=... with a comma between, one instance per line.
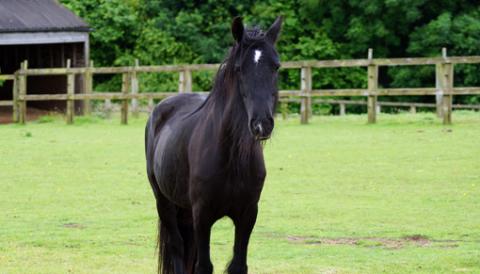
x=165, y=259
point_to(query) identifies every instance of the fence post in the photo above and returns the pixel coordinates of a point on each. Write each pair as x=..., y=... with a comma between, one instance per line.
x=439, y=89
x=22, y=92
x=185, y=81
x=342, y=109
x=306, y=88
x=107, y=108
x=284, y=109
x=15, y=98
x=372, y=89
x=70, y=94
x=413, y=109
x=447, y=84
x=134, y=83
x=151, y=105
x=125, y=88
x=188, y=80
x=88, y=86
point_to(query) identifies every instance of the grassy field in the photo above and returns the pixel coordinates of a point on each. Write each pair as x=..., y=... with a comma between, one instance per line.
x=341, y=196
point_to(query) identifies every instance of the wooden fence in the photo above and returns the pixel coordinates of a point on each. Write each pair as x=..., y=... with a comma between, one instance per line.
x=411, y=106
x=444, y=90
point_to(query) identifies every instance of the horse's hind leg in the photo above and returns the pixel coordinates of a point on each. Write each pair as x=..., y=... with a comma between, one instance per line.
x=171, y=242
x=244, y=221
x=185, y=225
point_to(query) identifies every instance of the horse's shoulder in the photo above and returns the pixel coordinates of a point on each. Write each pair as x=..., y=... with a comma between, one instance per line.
x=181, y=103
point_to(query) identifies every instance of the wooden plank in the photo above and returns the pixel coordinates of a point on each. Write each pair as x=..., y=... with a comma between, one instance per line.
x=95, y=96
x=382, y=62
x=285, y=65
x=45, y=97
x=405, y=91
x=466, y=106
x=287, y=94
x=380, y=92
x=177, y=68
x=405, y=104
x=464, y=60
x=382, y=103
x=7, y=77
x=339, y=102
x=338, y=92
x=465, y=90
x=70, y=94
x=6, y=103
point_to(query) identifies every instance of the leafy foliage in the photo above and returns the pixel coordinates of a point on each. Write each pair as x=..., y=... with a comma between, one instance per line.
x=170, y=32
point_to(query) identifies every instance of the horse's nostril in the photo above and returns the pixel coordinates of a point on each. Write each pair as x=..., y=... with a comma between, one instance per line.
x=259, y=128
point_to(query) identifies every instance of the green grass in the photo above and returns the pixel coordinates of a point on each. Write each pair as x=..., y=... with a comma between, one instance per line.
x=400, y=196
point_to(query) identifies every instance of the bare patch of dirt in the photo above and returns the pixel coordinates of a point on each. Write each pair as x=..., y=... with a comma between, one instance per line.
x=389, y=243
x=418, y=239
x=74, y=225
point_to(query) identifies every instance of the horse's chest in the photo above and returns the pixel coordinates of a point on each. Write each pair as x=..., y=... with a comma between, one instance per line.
x=242, y=191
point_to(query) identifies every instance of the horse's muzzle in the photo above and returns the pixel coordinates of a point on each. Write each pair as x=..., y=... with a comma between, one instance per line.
x=261, y=128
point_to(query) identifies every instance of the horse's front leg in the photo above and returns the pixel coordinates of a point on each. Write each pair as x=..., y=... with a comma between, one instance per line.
x=244, y=222
x=202, y=225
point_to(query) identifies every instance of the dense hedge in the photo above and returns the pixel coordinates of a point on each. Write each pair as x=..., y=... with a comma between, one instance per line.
x=166, y=32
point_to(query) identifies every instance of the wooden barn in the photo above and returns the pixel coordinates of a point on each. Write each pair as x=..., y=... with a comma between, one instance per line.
x=46, y=34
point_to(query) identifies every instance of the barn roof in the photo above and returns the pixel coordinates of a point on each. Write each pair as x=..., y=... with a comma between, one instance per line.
x=38, y=16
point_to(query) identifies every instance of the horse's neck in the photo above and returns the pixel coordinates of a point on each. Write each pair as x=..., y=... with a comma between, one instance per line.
x=229, y=118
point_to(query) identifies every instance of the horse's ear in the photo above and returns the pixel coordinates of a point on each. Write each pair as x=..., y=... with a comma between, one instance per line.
x=238, y=29
x=274, y=30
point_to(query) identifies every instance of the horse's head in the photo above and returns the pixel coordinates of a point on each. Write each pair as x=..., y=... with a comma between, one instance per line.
x=256, y=66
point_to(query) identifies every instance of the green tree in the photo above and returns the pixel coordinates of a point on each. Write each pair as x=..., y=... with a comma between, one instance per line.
x=168, y=32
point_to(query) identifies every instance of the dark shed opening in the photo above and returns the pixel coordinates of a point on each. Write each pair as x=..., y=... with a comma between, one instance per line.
x=46, y=34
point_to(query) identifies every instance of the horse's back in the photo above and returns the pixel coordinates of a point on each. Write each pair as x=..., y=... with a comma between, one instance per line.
x=167, y=133
x=177, y=106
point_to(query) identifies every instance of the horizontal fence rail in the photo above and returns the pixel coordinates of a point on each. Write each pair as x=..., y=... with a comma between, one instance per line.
x=130, y=91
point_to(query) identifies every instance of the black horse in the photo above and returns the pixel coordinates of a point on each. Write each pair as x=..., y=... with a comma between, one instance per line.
x=205, y=158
